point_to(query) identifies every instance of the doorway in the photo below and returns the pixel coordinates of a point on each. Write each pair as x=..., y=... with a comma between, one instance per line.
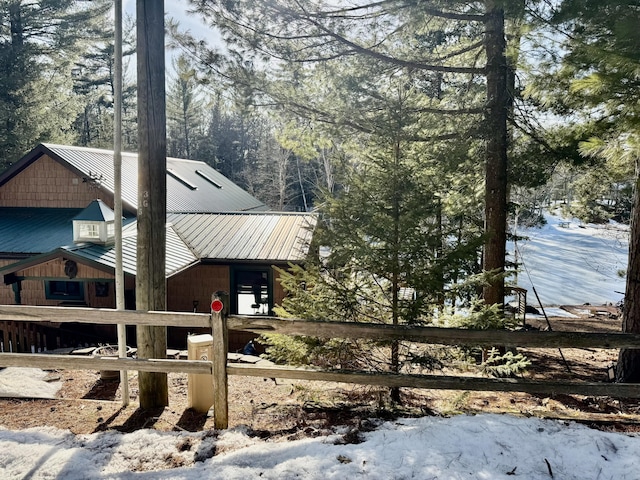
x=251, y=291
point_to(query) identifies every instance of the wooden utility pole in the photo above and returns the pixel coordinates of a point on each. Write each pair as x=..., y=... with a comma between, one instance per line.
x=220, y=347
x=152, y=186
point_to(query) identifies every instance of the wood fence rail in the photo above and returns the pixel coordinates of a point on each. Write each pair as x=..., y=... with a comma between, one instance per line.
x=77, y=362
x=102, y=316
x=435, y=335
x=219, y=368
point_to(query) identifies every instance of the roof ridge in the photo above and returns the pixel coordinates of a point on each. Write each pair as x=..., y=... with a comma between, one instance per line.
x=104, y=150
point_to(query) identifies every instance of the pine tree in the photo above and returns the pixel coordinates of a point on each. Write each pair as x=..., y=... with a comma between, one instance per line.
x=185, y=110
x=93, y=85
x=601, y=73
x=38, y=43
x=454, y=49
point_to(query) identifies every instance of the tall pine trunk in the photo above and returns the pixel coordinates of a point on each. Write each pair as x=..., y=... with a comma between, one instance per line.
x=628, y=369
x=496, y=153
x=395, y=345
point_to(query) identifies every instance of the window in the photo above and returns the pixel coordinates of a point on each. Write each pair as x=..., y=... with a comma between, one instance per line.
x=89, y=230
x=64, y=290
x=251, y=291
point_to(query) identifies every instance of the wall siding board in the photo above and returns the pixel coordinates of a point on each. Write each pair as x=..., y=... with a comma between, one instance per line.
x=196, y=283
x=46, y=183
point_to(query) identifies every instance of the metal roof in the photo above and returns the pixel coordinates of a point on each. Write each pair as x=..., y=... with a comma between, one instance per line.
x=264, y=236
x=178, y=255
x=97, y=211
x=191, y=238
x=35, y=230
x=192, y=186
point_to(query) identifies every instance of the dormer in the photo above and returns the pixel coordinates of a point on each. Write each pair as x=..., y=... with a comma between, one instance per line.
x=94, y=224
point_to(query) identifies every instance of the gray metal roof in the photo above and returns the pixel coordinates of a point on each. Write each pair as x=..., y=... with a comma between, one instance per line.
x=35, y=230
x=191, y=238
x=178, y=256
x=192, y=186
x=264, y=236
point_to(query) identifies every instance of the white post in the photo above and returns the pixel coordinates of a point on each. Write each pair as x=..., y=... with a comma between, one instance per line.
x=117, y=192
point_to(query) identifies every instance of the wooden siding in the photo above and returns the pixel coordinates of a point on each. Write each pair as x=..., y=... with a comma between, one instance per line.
x=6, y=291
x=33, y=289
x=48, y=184
x=278, y=290
x=55, y=269
x=196, y=283
x=199, y=282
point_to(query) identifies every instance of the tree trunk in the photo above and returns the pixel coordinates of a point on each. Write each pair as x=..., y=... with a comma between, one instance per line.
x=152, y=187
x=395, y=281
x=496, y=153
x=16, y=27
x=628, y=369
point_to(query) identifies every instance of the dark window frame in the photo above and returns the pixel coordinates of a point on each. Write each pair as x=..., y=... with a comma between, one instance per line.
x=64, y=290
x=237, y=271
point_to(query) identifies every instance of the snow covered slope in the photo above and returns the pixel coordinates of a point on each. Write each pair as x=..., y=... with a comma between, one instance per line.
x=570, y=263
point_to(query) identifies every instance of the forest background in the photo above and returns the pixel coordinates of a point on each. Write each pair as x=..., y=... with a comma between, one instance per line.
x=423, y=132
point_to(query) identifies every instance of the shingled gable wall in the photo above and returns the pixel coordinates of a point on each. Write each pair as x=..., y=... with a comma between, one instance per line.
x=48, y=184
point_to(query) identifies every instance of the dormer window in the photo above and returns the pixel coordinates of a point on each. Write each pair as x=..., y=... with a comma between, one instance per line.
x=95, y=224
x=90, y=230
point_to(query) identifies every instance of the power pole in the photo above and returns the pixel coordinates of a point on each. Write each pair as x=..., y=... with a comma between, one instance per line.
x=151, y=288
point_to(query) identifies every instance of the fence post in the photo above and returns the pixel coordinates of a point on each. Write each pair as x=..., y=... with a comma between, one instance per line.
x=219, y=302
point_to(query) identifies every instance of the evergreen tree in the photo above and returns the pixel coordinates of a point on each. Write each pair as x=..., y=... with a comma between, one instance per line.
x=93, y=85
x=39, y=42
x=185, y=111
x=389, y=229
x=455, y=50
x=601, y=73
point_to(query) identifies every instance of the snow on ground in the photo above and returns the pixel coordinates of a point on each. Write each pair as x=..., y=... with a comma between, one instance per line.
x=461, y=447
x=570, y=263
x=27, y=382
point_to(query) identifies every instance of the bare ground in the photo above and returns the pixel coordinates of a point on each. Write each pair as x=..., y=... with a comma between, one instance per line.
x=295, y=409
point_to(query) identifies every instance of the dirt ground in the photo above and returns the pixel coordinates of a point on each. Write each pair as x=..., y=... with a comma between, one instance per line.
x=295, y=409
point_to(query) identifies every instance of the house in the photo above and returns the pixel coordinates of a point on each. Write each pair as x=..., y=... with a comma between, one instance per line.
x=56, y=241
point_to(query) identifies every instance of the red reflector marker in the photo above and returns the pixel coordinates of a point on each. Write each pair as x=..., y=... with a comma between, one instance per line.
x=217, y=306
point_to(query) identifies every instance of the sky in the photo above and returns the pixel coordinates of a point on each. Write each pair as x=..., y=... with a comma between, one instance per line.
x=579, y=261
x=567, y=264
x=176, y=9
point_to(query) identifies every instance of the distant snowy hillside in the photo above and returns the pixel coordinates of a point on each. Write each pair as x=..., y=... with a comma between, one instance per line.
x=571, y=263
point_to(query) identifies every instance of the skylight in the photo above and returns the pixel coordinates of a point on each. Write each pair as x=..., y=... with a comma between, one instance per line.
x=181, y=179
x=208, y=179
